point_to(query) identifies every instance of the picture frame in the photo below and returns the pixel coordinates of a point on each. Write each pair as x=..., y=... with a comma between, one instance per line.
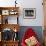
x=5, y=12
x=29, y=13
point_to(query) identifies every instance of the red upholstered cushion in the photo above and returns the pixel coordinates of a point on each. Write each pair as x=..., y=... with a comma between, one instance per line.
x=29, y=33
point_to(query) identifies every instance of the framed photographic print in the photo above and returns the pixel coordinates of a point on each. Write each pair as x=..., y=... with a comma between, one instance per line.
x=29, y=13
x=5, y=12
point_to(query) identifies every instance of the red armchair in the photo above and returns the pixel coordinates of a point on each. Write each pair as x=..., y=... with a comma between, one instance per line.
x=29, y=34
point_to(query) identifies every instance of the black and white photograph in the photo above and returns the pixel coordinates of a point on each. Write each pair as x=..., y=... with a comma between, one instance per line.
x=29, y=13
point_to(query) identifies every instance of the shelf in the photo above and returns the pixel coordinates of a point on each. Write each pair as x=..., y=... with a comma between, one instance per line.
x=7, y=23
x=11, y=41
x=9, y=19
x=6, y=12
x=9, y=10
x=5, y=8
x=10, y=26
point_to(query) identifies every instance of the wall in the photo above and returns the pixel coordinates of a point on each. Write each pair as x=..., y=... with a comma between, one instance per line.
x=7, y=3
x=45, y=13
x=39, y=13
x=45, y=22
x=38, y=21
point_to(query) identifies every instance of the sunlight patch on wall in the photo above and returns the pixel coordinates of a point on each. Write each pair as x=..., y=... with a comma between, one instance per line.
x=7, y=0
x=7, y=3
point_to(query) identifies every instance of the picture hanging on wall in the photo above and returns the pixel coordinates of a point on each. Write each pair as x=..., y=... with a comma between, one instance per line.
x=29, y=13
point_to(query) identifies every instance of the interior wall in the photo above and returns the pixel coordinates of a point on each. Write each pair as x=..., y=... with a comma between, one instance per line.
x=38, y=21
x=44, y=13
x=44, y=21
